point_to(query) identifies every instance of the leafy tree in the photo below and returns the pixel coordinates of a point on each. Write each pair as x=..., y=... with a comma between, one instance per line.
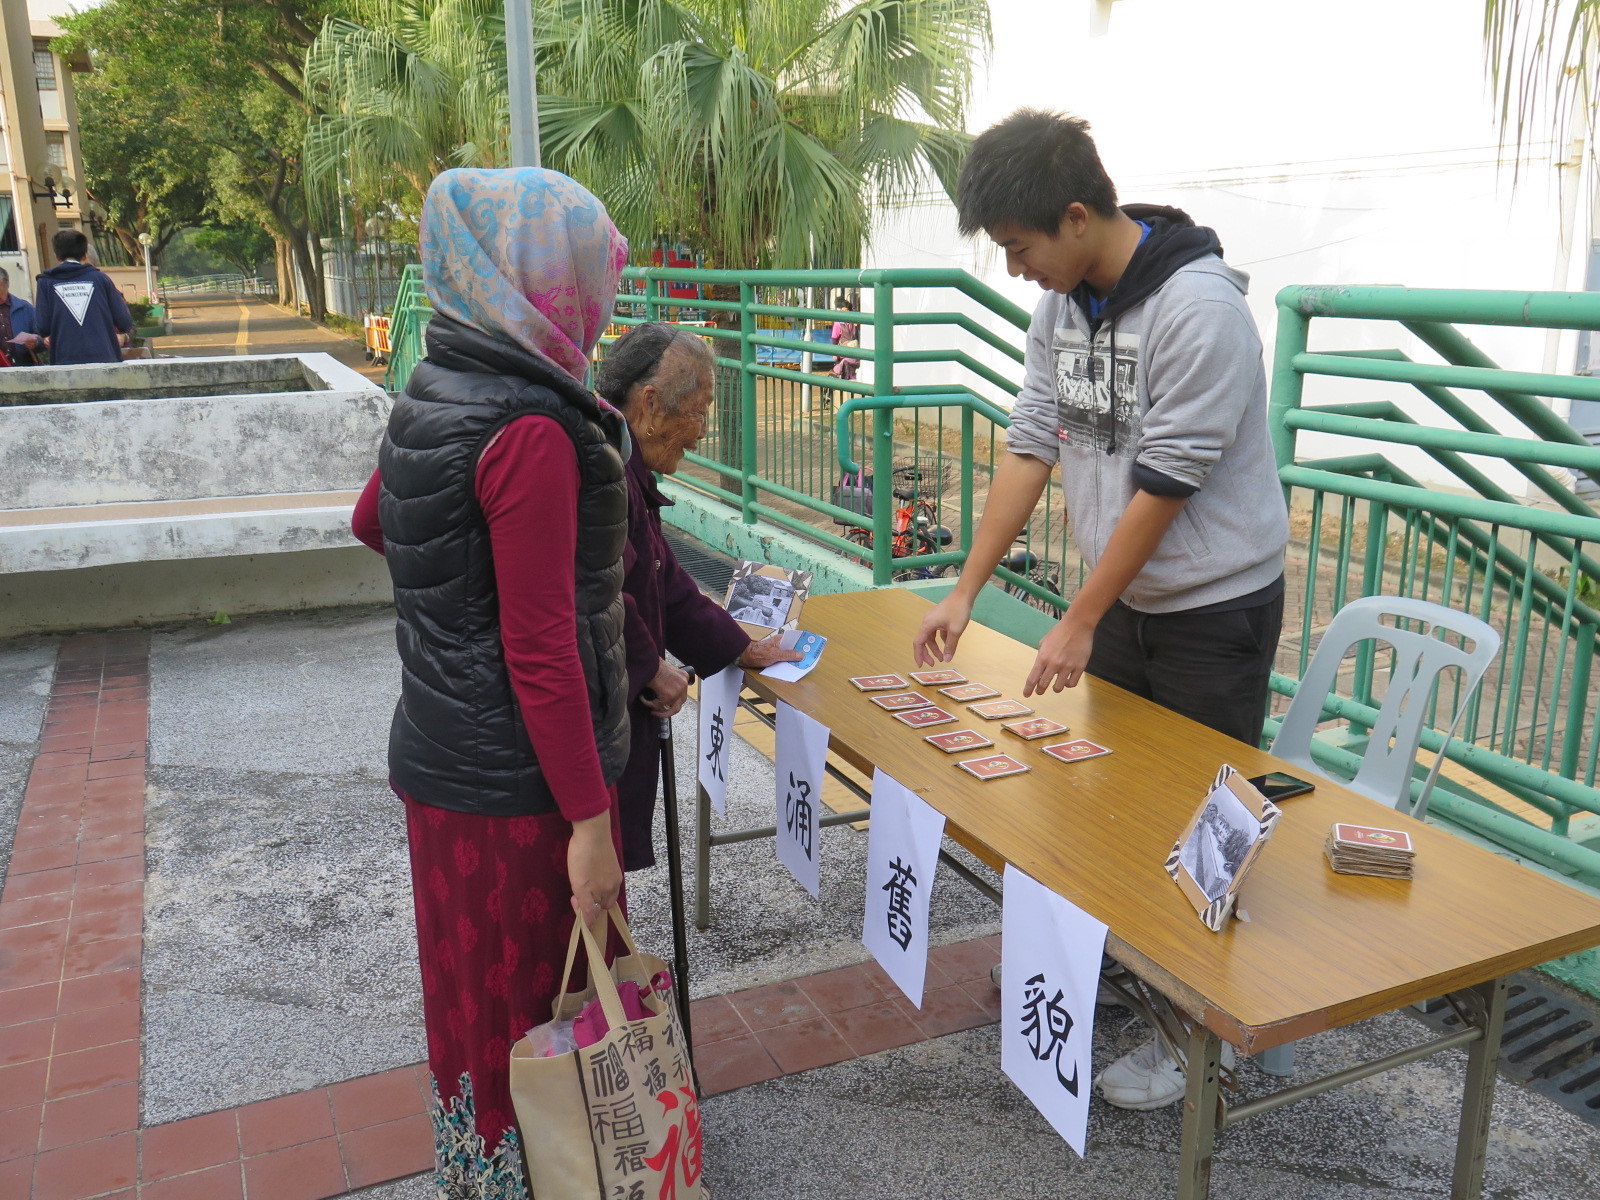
x=243, y=247
x=142, y=168
x=234, y=72
x=761, y=132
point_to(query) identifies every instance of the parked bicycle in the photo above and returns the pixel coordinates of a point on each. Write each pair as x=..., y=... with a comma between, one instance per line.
x=915, y=528
x=1027, y=564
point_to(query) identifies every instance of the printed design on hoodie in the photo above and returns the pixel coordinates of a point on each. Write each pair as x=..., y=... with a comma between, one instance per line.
x=76, y=297
x=1097, y=393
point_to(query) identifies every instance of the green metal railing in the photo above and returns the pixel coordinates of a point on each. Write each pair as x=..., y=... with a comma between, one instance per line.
x=407, y=322
x=1527, y=747
x=781, y=439
x=752, y=459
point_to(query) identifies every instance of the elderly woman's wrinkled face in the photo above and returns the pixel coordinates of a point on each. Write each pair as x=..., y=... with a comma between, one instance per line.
x=663, y=436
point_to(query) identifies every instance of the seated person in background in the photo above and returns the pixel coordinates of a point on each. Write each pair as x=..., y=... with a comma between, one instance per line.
x=16, y=314
x=661, y=377
x=80, y=313
x=17, y=338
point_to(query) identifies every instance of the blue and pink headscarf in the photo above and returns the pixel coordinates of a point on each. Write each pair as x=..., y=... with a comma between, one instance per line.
x=523, y=254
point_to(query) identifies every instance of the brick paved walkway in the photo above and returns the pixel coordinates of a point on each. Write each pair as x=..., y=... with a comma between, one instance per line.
x=71, y=947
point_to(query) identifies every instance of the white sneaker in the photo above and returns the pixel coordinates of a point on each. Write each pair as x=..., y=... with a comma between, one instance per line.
x=1148, y=1077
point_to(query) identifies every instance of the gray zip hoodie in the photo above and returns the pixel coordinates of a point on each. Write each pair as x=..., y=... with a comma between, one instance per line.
x=1168, y=395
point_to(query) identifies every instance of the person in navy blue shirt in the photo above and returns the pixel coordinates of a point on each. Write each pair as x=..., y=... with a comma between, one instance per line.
x=80, y=312
x=16, y=314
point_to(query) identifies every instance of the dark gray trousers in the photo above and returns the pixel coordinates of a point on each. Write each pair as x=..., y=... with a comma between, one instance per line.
x=1211, y=667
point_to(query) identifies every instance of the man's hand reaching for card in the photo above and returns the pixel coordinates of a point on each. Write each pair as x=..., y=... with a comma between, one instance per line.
x=1063, y=656
x=944, y=623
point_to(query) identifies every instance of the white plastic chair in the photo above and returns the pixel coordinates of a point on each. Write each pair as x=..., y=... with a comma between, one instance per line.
x=1388, y=764
x=1420, y=659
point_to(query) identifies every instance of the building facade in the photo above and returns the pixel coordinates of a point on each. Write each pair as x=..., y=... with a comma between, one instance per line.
x=41, y=159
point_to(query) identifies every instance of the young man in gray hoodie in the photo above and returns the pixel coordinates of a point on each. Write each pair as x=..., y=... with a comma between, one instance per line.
x=1144, y=381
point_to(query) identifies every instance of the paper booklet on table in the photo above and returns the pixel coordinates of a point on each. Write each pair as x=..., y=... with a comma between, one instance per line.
x=1218, y=845
x=764, y=598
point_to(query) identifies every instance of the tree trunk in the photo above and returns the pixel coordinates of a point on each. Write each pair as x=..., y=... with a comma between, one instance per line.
x=310, y=275
x=284, y=265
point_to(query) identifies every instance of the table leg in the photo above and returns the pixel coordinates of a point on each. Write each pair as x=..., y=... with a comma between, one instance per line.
x=1200, y=1101
x=1488, y=1003
x=702, y=859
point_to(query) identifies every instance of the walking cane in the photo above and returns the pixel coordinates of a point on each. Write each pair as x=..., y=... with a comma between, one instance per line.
x=680, y=936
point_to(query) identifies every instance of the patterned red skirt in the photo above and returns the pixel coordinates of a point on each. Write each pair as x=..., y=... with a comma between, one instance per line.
x=494, y=913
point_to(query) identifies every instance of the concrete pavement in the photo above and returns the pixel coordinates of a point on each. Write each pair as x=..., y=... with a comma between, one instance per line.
x=277, y=956
x=278, y=923
x=223, y=323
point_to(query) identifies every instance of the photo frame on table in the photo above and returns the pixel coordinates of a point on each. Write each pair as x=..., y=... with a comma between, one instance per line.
x=1211, y=857
x=763, y=598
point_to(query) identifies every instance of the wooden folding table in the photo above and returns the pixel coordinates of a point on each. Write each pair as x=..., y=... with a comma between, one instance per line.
x=1319, y=950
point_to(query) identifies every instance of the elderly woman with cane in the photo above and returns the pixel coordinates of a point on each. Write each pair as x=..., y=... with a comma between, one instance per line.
x=501, y=503
x=661, y=377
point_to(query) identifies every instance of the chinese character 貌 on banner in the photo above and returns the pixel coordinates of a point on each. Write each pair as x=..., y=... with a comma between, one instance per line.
x=1049, y=974
x=802, y=755
x=902, y=853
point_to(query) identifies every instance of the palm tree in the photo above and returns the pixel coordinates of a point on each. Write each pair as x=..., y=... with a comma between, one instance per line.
x=760, y=132
x=413, y=87
x=1542, y=62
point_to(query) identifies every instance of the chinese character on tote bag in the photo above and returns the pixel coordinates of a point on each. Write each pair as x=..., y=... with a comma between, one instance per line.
x=617, y=1117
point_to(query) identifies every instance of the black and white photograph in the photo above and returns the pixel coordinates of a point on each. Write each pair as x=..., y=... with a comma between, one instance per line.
x=762, y=600
x=1222, y=836
x=766, y=596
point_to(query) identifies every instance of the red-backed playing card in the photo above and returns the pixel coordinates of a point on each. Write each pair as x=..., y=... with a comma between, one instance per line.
x=1075, y=751
x=919, y=718
x=1038, y=727
x=996, y=766
x=901, y=700
x=929, y=678
x=1368, y=835
x=969, y=691
x=1000, y=708
x=878, y=683
x=958, y=740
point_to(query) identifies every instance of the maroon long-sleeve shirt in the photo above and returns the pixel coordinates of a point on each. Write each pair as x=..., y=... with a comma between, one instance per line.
x=527, y=486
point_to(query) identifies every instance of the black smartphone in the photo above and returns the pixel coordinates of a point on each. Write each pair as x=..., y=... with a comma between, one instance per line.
x=1278, y=786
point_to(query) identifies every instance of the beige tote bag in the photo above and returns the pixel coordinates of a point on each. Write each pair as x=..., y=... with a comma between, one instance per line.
x=618, y=1120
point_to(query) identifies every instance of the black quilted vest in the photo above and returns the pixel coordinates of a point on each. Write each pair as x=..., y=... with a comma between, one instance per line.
x=458, y=740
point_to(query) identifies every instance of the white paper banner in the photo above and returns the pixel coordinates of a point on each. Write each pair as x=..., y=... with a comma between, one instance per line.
x=802, y=754
x=1049, y=974
x=719, y=701
x=902, y=854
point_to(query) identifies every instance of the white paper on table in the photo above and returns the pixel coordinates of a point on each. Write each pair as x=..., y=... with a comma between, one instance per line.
x=810, y=646
x=719, y=701
x=1049, y=974
x=902, y=855
x=802, y=755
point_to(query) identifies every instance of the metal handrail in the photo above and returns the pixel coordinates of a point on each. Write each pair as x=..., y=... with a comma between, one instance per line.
x=1478, y=550
x=1529, y=732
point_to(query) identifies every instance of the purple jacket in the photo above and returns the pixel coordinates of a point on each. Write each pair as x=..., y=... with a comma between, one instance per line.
x=665, y=611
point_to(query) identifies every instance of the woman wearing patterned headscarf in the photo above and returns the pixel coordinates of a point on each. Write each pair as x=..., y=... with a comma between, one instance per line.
x=501, y=504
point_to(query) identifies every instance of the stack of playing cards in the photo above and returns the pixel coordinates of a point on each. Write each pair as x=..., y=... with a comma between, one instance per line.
x=1364, y=850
